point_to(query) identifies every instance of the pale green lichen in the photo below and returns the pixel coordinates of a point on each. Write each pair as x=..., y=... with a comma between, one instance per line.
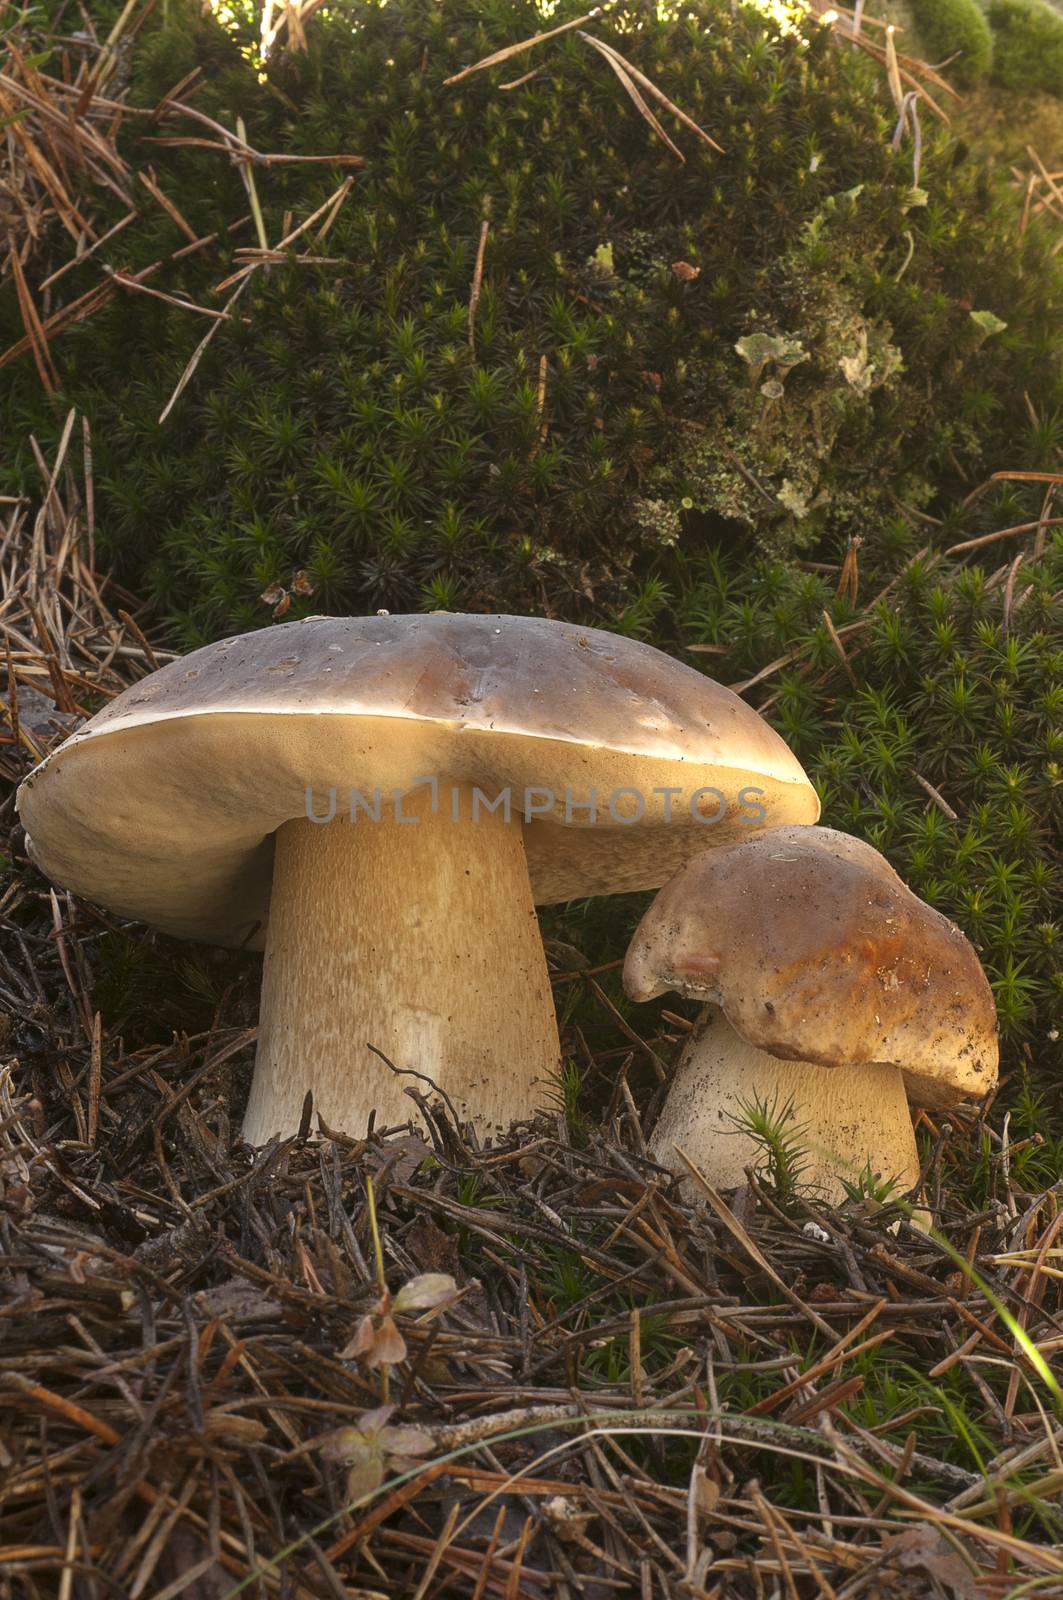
x=987, y=323
x=769, y=458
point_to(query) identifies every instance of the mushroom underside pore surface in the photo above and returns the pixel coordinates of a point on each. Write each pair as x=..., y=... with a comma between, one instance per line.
x=418, y=937
x=846, y=1120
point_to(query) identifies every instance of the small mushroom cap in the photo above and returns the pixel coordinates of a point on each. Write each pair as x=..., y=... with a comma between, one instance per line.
x=816, y=951
x=163, y=805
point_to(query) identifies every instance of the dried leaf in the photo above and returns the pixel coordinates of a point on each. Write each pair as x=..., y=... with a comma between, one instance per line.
x=234, y=1430
x=373, y=1448
x=376, y=1419
x=406, y=1440
x=924, y=1550
x=388, y=1346
x=706, y=1491
x=360, y=1341
x=366, y=1471
x=427, y=1290
x=376, y=1341
x=400, y=1157
x=338, y=1445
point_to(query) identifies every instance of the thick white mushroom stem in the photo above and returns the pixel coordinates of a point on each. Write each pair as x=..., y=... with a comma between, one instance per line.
x=843, y=1117
x=418, y=937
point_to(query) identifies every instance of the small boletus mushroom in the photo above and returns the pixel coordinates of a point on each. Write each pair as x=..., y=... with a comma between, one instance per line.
x=380, y=802
x=829, y=985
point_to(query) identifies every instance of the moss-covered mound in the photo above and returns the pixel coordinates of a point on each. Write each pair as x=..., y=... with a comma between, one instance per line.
x=1028, y=46
x=787, y=338
x=955, y=30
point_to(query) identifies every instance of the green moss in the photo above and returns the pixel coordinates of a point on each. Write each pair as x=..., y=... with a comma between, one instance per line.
x=602, y=420
x=1028, y=46
x=1001, y=123
x=956, y=28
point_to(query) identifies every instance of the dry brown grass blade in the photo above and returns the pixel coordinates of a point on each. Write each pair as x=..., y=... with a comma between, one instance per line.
x=235, y=144
x=912, y=63
x=477, y=283
x=1049, y=181
x=201, y=348
x=749, y=1245
x=842, y=1350
x=59, y=148
x=36, y=138
x=58, y=637
x=1003, y=533
x=658, y=94
x=131, y=283
x=76, y=259
x=292, y=17
x=1027, y=477
x=893, y=76
x=149, y=181
x=511, y=50
x=329, y=209
x=35, y=334
x=76, y=311
x=910, y=72
x=620, y=68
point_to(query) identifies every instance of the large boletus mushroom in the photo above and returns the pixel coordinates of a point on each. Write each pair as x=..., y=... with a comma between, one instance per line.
x=380, y=801
x=829, y=985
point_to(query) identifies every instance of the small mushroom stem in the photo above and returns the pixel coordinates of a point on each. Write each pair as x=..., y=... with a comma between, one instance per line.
x=843, y=1117
x=418, y=936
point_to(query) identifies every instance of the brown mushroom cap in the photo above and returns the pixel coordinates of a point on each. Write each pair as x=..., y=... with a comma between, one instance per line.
x=163, y=805
x=816, y=951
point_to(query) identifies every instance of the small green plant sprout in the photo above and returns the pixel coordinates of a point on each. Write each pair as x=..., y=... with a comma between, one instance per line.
x=870, y=1189
x=986, y=323
x=565, y=1097
x=374, y=1448
x=783, y=1161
